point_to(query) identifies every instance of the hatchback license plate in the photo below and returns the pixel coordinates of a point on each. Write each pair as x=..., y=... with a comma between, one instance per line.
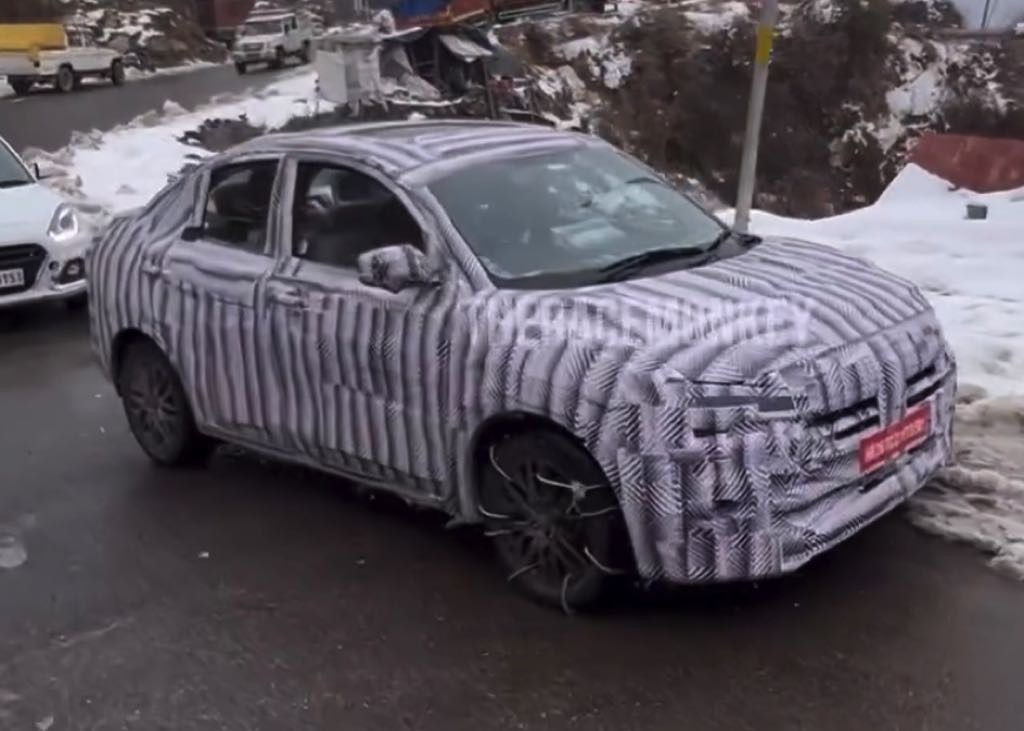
x=12, y=278
x=889, y=443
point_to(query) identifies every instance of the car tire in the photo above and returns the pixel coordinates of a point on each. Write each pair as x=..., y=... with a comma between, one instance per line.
x=553, y=518
x=278, y=61
x=158, y=410
x=117, y=73
x=241, y=68
x=21, y=87
x=66, y=80
x=304, y=53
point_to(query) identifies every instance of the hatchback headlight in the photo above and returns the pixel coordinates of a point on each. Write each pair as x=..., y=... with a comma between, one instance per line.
x=64, y=225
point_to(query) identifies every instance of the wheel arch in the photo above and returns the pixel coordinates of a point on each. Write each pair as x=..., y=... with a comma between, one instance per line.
x=122, y=341
x=493, y=427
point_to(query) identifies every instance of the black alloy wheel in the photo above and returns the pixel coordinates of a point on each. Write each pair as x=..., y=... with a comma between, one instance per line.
x=554, y=519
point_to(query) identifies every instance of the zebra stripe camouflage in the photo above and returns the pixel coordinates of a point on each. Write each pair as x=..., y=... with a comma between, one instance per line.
x=730, y=432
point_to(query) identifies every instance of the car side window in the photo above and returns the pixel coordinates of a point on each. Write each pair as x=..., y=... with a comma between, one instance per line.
x=238, y=204
x=340, y=213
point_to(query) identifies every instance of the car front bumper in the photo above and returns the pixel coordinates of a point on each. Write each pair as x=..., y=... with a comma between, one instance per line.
x=261, y=56
x=761, y=499
x=46, y=278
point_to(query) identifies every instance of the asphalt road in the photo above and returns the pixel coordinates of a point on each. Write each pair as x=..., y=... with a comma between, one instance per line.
x=46, y=119
x=256, y=596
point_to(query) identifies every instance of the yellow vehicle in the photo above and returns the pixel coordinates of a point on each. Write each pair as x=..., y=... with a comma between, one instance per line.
x=51, y=53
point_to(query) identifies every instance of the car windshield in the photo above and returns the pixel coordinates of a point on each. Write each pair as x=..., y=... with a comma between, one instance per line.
x=12, y=172
x=570, y=217
x=261, y=28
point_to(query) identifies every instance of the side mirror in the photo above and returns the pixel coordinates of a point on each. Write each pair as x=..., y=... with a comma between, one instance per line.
x=395, y=268
x=38, y=173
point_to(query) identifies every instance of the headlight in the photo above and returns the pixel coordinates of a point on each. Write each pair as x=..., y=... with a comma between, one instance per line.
x=64, y=225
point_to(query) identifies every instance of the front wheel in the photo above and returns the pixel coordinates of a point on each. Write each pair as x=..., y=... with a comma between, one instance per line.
x=241, y=67
x=554, y=519
x=157, y=408
x=278, y=61
x=117, y=73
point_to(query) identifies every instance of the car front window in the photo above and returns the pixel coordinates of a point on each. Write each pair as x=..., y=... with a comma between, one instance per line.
x=567, y=218
x=12, y=172
x=261, y=29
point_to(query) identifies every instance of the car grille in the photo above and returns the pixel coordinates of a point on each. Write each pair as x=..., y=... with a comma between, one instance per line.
x=27, y=257
x=864, y=415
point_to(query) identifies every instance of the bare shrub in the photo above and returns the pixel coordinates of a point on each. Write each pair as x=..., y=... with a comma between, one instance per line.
x=683, y=107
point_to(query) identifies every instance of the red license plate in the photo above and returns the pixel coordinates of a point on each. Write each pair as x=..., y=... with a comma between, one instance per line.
x=889, y=443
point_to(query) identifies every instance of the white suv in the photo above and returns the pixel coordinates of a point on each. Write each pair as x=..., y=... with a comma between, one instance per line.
x=42, y=246
x=72, y=56
x=273, y=38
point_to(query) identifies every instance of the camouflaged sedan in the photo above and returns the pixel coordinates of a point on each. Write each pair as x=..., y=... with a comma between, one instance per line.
x=534, y=332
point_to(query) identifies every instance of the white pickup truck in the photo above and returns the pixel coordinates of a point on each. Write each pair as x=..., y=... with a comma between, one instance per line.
x=54, y=54
x=271, y=38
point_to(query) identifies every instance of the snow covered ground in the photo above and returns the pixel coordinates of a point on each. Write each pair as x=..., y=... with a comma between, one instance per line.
x=971, y=271
x=147, y=150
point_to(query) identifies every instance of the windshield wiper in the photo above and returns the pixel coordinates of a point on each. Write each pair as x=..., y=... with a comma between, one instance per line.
x=635, y=262
x=13, y=183
x=632, y=263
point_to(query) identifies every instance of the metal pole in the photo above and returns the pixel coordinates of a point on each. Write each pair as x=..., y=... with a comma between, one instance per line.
x=755, y=110
x=984, y=15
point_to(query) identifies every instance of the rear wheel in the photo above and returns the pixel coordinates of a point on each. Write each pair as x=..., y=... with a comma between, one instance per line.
x=553, y=517
x=66, y=80
x=304, y=53
x=157, y=408
x=21, y=86
x=117, y=73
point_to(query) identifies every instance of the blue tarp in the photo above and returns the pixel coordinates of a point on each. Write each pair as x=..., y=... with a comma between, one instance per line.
x=416, y=8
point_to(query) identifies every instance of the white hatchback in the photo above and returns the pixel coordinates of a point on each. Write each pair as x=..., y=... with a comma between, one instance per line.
x=42, y=245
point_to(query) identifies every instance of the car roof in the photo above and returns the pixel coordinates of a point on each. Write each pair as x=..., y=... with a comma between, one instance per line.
x=402, y=147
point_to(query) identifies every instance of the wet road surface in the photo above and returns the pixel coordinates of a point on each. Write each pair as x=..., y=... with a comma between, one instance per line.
x=46, y=119
x=257, y=596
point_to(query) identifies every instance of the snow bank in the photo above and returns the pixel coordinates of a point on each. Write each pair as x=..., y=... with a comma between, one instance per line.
x=123, y=168
x=981, y=500
x=971, y=271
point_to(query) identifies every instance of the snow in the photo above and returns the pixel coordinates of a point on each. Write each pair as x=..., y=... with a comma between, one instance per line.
x=971, y=272
x=140, y=26
x=146, y=151
x=607, y=62
x=980, y=501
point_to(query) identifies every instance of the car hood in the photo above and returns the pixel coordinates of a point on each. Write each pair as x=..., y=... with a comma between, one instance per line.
x=784, y=314
x=26, y=212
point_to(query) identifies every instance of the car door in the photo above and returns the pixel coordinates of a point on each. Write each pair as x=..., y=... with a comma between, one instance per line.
x=361, y=370
x=93, y=57
x=211, y=280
